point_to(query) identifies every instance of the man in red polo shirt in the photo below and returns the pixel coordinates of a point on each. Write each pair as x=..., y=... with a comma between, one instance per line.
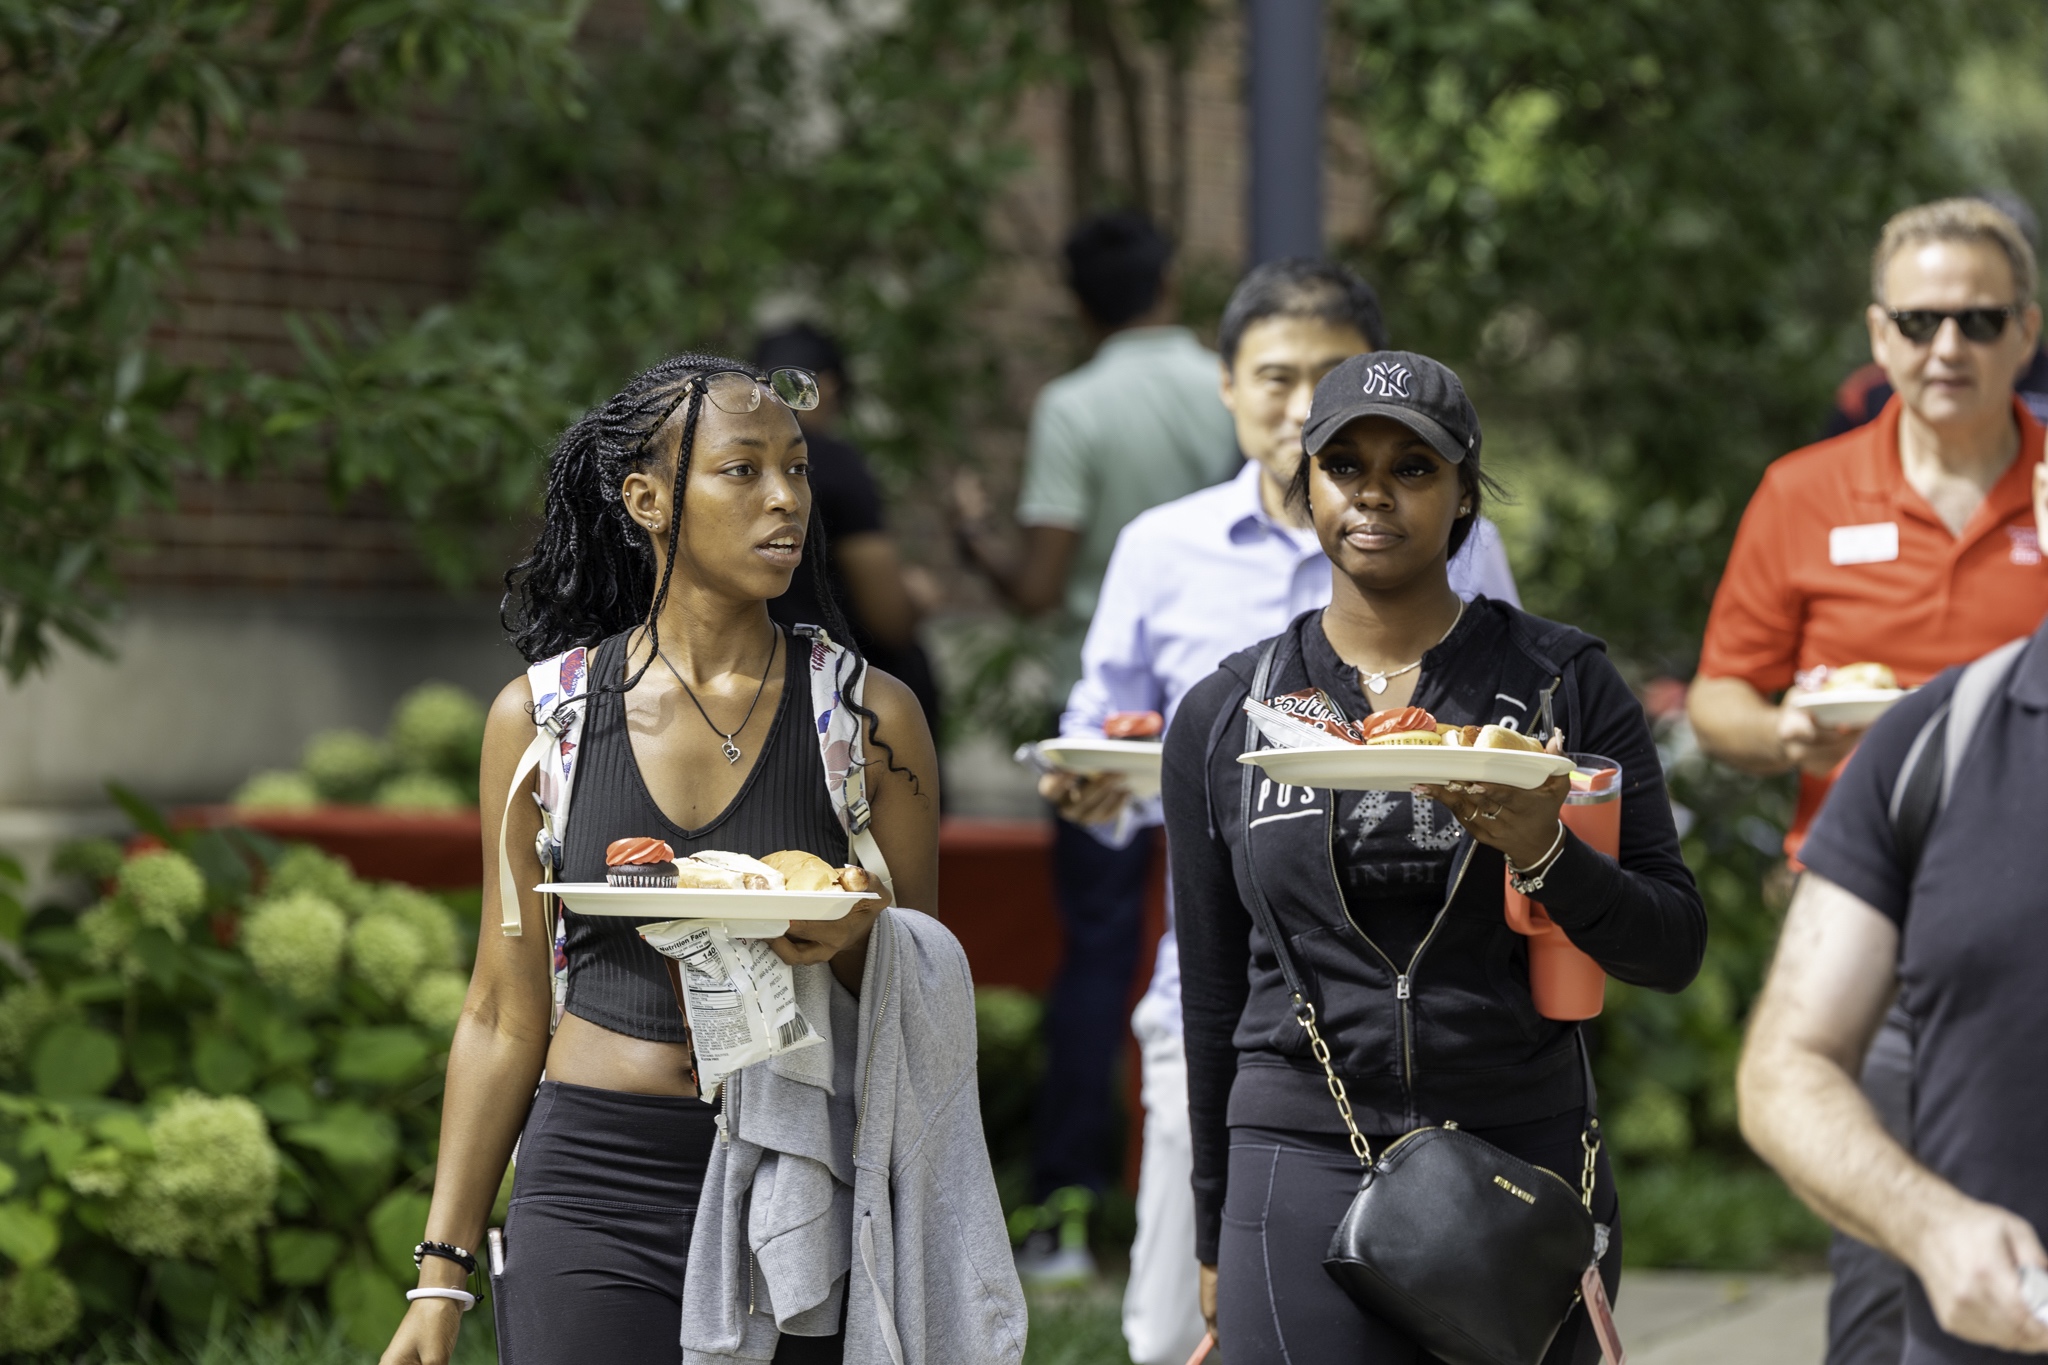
x=1908, y=542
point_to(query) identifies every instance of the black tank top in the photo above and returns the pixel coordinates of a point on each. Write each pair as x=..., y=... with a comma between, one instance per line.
x=615, y=979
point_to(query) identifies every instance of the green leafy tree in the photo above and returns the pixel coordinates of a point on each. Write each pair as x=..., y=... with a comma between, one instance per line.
x=129, y=130
x=1642, y=231
x=718, y=161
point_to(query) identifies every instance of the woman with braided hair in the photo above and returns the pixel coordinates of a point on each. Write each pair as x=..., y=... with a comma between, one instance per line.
x=674, y=513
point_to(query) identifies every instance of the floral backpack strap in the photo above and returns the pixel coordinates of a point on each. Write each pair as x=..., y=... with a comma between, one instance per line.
x=837, y=682
x=559, y=686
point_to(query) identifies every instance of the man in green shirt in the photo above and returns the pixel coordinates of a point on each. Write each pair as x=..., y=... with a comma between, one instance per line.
x=1138, y=425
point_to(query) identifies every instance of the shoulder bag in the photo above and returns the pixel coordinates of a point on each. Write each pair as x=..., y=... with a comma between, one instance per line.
x=1474, y=1253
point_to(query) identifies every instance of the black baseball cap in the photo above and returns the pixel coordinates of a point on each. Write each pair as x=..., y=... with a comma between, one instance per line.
x=1419, y=393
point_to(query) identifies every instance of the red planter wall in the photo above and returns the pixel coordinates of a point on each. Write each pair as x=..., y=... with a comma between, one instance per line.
x=431, y=850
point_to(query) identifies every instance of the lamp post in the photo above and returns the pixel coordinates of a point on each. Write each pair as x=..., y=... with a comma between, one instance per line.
x=1284, y=92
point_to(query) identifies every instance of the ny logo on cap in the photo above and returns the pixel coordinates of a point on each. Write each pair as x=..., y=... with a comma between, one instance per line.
x=1387, y=380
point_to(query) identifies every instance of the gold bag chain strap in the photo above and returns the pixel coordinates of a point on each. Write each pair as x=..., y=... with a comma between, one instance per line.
x=1305, y=1015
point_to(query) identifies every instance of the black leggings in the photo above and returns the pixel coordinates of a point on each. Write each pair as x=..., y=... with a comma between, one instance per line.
x=603, y=1204
x=1276, y=1305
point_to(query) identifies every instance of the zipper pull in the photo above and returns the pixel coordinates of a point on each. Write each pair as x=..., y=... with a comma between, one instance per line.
x=1401, y=987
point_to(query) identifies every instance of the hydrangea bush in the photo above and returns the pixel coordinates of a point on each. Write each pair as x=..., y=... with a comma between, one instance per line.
x=428, y=761
x=219, y=1091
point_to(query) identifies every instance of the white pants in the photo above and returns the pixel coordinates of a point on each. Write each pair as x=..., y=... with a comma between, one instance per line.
x=1162, y=1304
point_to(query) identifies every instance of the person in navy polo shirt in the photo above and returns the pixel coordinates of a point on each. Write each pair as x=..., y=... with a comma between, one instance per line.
x=1961, y=935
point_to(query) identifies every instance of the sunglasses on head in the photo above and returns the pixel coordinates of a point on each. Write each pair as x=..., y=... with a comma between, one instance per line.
x=739, y=393
x=1919, y=325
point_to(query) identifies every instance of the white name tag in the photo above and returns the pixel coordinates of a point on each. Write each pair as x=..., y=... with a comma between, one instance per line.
x=1874, y=542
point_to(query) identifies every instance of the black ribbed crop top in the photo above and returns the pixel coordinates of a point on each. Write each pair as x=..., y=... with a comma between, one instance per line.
x=615, y=979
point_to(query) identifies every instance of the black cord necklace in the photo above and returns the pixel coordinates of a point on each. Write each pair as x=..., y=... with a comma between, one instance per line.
x=728, y=748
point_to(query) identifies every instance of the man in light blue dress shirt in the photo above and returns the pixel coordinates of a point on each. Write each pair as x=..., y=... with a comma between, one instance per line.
x=1189, y=583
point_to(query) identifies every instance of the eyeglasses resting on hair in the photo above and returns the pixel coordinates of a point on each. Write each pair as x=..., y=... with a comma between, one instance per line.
x=739, y=393
x=1918, y=325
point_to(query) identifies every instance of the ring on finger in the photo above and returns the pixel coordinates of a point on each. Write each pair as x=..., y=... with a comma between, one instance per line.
x=1493, y=814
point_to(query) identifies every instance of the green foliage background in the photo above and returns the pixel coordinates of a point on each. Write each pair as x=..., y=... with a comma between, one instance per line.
x=717, y=162
x=1638, y=228
x=219, y=1093
x=128, y=132
x=1642, y=232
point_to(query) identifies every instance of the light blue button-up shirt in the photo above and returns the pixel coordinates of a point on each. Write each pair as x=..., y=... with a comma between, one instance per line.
x=1192, y=582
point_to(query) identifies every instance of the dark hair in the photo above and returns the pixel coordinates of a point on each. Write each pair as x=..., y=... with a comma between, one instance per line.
x=590, y=574
x=1473, y=482
x=1116, y=265
x=804, y=346
x=1299, y=287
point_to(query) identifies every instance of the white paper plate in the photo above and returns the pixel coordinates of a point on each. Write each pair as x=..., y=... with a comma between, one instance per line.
x=1847, y=705
x=689, y=902
x=1136, y=760
x=1397, y=767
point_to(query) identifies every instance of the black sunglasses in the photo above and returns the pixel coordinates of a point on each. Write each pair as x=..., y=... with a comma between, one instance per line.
x=1919, y=325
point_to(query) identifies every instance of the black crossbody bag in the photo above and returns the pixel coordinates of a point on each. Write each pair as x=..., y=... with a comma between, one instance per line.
x=1474, y=1253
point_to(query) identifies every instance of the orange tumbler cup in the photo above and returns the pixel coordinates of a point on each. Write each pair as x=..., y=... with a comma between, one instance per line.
x=1565, y=983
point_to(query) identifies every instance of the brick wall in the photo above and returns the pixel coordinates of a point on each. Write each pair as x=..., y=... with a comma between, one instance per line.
x=377, y=218
x=376, y=228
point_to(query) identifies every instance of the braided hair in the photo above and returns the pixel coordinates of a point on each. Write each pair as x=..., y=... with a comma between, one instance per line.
x=590, y=573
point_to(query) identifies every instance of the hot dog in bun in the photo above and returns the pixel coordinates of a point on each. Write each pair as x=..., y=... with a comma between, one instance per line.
x=1500, y=737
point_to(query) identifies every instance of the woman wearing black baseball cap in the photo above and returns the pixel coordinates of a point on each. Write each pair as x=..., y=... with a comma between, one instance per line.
x=1390, y=905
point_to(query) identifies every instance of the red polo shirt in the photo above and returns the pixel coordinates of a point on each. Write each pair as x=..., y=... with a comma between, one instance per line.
x=1839, y=561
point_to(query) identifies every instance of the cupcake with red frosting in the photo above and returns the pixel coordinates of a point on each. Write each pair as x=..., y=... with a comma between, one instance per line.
x=639, y=862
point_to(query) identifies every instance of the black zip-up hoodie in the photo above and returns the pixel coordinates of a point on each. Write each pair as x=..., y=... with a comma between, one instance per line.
x=1451, y=1033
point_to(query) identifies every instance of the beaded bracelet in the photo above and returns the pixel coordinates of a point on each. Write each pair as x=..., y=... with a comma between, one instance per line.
x=446, y=1252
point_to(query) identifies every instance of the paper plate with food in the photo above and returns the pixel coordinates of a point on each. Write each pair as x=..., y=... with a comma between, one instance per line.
x=1130, y=747
x=1853, y=695
x=645, y=880
x=1389, y=750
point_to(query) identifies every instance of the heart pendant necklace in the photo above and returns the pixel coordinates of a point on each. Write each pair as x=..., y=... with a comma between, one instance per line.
x=728, y=748
x=1376, y=683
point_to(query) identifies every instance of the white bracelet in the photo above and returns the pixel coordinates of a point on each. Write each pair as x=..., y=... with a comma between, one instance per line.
x=461, y=1296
